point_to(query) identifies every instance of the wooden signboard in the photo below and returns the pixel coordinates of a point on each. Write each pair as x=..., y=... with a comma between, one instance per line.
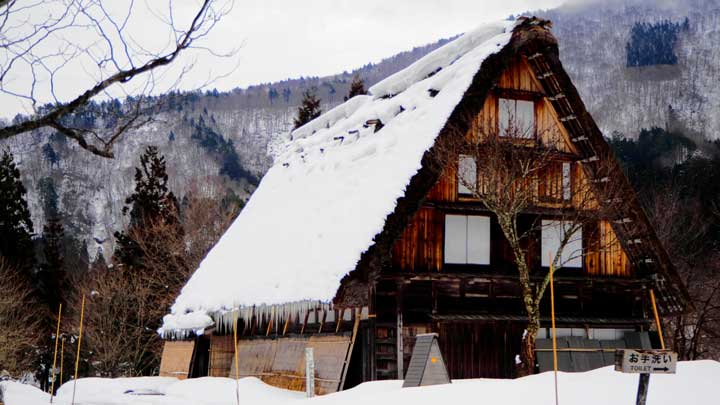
x=427, y=366
x=646, y=361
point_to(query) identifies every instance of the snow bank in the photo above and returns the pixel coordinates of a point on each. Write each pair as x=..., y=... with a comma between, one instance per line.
x=695, y=383
x=331, y=188
x=213, y=390
x=14, y=393
x=112, y=390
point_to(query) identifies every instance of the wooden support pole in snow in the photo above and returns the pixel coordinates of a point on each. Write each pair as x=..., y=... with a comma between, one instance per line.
x=77, y=356
x=62, y=357
x=643, y=386
x=237, y=368
x=57, y=337
x=554, y=334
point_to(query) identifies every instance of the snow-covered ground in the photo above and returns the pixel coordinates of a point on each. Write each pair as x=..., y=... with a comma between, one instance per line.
x=695, y=383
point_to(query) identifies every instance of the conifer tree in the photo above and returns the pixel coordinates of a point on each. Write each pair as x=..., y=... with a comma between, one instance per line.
x=309, y=109
x=15, y=224
x=52, y=278
x=151, y=202
x=357, y=87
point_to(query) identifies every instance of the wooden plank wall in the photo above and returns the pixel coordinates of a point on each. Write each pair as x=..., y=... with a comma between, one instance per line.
x=520, y=77
x=607, y=257
x=420, y=248
x=480, y=349
x=221, y=355
x=176, y=359
x=281, y=361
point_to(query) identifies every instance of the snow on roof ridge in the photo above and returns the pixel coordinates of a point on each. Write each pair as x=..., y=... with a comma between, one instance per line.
x=330, y=191
x=438, y=59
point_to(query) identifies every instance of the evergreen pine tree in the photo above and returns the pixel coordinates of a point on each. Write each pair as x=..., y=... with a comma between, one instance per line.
x=309, y=109
x=52, y=278
x=151, y=202
x=357, y=87
x=15, y=224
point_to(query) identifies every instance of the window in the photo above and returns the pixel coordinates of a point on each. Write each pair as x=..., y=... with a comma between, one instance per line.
x=467, y=175
x=517, y=118
x=552, y=234
x=467, y=239
x=555, y=184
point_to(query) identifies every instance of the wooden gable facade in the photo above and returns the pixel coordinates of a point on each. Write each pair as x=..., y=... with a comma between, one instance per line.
x=405, y=284
x=476, y=308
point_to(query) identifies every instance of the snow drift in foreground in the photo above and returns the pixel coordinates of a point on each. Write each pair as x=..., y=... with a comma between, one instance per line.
x=695, y=383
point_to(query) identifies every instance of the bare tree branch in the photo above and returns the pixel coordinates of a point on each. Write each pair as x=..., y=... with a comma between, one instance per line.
x=21, y=46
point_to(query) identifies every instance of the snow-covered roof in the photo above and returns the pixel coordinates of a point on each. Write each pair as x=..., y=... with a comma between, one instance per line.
x=331, y=188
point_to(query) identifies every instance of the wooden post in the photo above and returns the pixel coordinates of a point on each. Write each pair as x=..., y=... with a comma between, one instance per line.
x=399, y=349
x=399, y=331
x=322, y=321
x=657, y=319
x=62, y=357
x=302, y=328
x=644, y=381
x=309, y=372
x=77, y=357
x=237, y=365
x=339, y=314
x=643, y=386
x=287, y=324
x=57, y=337
x=554, y=335
x=270, y=323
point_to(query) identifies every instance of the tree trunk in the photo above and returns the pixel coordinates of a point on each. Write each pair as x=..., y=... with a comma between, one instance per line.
x=527, y=350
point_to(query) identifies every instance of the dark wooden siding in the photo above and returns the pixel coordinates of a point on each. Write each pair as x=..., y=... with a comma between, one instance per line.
x=420, y=248
x=480, y=349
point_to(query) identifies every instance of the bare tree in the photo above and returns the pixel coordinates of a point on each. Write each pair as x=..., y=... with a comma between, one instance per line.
x=126, y=306
x=205, y=217
x=509, y=170
x=685, y=232
x=41, y=42
x=20, y=321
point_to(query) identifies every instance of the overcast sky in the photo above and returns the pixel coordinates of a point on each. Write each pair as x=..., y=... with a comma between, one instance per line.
x=280, y=39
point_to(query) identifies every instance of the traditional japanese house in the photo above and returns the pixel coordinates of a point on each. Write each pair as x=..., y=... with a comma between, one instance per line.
x=357, y=239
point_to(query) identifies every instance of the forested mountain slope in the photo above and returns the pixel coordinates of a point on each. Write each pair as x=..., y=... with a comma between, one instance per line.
x=636, y=63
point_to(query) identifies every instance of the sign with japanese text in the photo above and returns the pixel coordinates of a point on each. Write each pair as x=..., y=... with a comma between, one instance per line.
x=646, y=361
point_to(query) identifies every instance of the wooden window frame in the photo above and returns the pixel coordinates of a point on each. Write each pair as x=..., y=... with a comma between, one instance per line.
x=445, y=234
x=558, y=169
x=517, y=95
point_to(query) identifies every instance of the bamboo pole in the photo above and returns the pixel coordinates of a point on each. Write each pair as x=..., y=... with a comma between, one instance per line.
x=57, y=337
x=62, y=357
x=237, y=368
x=554, y=335
x=657, y=319
x=77, y=356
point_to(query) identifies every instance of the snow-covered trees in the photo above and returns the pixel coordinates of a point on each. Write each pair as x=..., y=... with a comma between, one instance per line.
x=309, y=108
